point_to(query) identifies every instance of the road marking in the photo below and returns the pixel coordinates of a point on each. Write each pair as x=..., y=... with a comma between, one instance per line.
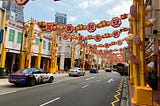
x=7, y=92
x=90, y=78
x=98, y=80
x=85, y=86
x=50, y=101
x=110, y=80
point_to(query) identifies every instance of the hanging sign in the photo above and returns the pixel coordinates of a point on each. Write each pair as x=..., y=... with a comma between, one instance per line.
x=115, y=33
x=21, y=2
x=49, y=26
x=69, y=28
x=91, y=27
x=116, y=22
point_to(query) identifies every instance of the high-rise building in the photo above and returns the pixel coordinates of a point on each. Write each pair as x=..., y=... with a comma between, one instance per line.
x=61, y=18
x=13, y=11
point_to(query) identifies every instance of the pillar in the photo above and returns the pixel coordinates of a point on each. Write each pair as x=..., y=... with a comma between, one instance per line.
x=62, y=57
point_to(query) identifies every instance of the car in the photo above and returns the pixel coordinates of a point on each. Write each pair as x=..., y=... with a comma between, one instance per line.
x=93, y=70
x=76, y=71
x=108, y=69
x=30, y=76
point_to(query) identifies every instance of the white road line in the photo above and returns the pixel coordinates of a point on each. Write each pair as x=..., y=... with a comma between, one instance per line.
x=85, y=86
x=110, y=80
x=7, y=92
x=90, y=78
x=50, y=101
x=98, y=80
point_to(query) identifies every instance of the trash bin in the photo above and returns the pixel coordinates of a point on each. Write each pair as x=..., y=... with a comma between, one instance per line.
x=3, y=71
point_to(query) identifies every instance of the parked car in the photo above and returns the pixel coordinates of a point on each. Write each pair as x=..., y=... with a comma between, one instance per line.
x=93, y=70
x=76, y=71
x=30, y=76
x=108, y=69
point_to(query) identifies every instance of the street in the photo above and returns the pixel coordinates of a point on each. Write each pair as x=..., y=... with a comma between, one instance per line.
x=89, y=90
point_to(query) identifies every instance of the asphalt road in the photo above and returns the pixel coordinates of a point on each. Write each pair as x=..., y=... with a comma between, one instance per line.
x=89, y=90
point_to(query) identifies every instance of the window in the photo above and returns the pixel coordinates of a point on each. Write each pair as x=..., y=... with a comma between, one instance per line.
x=11, y=35
x=44, y=44
x=37, y=41
x=19, y=38
x=49, y=46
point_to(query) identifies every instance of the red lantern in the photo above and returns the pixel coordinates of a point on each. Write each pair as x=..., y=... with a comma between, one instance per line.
x=116, y=33
x=116, y=22
x=98, y=38
x=69, y=28
x=91, y=27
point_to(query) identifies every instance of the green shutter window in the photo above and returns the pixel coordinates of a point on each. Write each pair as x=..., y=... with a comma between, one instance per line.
x=44, y=44
x=37, y=41
x=11, y=35
x=49, y=46
x=19, y=38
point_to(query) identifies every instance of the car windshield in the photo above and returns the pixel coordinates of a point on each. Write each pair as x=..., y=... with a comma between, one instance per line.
x=26, y=70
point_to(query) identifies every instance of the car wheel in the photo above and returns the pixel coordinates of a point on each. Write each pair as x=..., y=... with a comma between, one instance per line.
x=50, y=79
x=32, y=82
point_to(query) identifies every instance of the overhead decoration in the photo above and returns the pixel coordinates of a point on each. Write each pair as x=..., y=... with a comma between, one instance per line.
x=116, y=22
x=115, y=33
x=90, y=27
x=65, y=37
x=69, y=28
x=21, y=2
x=49, y=26
x=98, y=38
x=81, y=38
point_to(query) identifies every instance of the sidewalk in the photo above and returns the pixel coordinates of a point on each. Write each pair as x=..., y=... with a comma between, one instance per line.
x=156, y=96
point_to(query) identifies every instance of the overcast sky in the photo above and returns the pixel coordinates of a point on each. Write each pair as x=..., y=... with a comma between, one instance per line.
x=80, y=12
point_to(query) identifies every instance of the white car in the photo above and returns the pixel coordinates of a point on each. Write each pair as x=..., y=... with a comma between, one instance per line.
x=76, y=71
x=30, y=76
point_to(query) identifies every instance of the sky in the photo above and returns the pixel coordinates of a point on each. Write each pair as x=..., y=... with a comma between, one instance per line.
x=81, y=12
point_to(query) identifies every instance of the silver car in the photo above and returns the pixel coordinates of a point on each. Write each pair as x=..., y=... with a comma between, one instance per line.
x=76, y=71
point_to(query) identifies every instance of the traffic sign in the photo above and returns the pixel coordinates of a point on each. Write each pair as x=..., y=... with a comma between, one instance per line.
x=21, y=2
